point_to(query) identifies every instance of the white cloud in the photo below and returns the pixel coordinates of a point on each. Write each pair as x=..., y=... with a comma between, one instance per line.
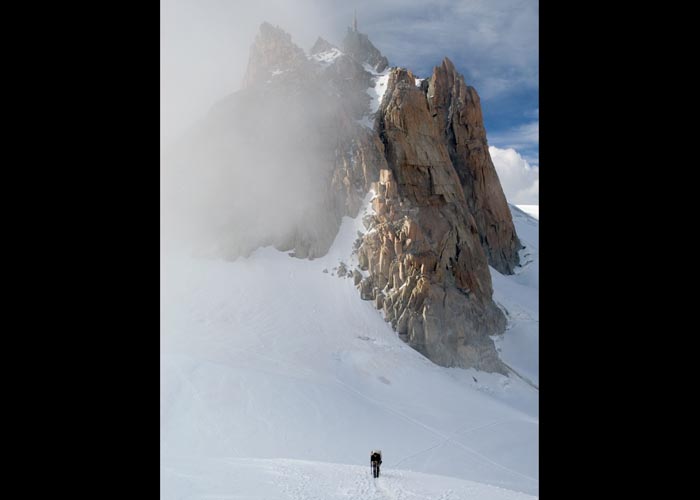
x=520, y=180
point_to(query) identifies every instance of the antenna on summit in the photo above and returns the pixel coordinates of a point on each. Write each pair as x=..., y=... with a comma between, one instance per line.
x=354, y=22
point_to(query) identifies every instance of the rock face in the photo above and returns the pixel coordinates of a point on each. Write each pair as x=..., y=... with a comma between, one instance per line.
x=456, y=110
x=273, y=51
x=423, y=251
x=292, y=153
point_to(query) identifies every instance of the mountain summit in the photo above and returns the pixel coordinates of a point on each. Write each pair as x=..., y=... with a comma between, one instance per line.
x=358, y=46
x=310, y=139
x=273, y=52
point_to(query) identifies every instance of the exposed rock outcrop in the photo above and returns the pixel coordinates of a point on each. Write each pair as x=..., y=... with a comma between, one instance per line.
x=423, y=251
x=456, y=109
x=272, y=53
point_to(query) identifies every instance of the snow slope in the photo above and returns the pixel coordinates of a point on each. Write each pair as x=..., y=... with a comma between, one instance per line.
x=376, y=94
x=531, y=210
x=268, y=361
x=518, y=296
x=281, y=479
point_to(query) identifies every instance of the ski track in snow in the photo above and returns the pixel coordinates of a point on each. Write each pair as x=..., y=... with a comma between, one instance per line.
x=277, y=380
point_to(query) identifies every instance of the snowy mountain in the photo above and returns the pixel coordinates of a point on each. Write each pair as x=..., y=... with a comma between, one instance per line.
x=277, y=382
x=282, y=161
x=341, y=272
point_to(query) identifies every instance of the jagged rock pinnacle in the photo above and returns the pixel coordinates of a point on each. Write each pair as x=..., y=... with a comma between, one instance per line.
x=456, y=109
x=273, y=51
x=321, y=45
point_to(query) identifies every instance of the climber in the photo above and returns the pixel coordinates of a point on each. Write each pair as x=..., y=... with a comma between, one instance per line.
x=376, y=461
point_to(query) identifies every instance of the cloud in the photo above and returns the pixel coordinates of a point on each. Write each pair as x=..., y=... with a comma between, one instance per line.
x=520, y=180
x=525, y=136
x=494, y=43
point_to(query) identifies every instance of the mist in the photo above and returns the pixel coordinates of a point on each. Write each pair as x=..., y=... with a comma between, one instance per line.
x=253, y=173
x=245, y=164
x=205, y=46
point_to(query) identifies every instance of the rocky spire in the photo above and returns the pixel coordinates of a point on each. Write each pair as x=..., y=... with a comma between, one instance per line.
x=354, y=22
x=427, y=268
x=456, y=110
x=321, y=45
x=272, y=52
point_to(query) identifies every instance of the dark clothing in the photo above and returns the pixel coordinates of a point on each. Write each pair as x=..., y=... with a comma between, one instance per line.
x=376, y=460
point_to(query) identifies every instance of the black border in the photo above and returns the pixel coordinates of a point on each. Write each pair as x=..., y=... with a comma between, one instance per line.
x=85, y=201
x=85, y=227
